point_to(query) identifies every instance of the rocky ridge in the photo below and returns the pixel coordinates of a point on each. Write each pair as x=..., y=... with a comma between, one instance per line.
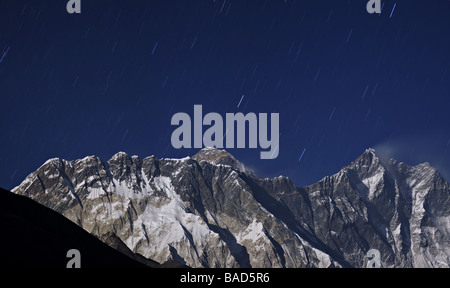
x=212, y=211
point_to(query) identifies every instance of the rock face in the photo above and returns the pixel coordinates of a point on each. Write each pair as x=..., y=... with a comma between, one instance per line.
x=211, y=211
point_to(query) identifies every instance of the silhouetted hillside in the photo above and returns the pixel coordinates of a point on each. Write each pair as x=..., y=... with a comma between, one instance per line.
x=36, y=236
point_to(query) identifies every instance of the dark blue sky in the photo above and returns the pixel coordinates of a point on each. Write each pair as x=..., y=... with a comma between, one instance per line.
x=111, y=78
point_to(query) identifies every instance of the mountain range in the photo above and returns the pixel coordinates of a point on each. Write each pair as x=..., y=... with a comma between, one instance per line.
x=210, y=210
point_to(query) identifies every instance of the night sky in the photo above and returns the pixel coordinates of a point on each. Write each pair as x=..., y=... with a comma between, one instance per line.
x=110, y=79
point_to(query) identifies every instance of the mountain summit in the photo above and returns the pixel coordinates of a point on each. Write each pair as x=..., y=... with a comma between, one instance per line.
x=221, y=157
x=212, y=211
x=215, y=156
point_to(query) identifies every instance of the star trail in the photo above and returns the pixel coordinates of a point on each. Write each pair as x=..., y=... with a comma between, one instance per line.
x=110, y=79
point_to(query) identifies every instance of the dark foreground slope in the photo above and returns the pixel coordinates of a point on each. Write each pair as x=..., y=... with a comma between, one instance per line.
x=35, y=236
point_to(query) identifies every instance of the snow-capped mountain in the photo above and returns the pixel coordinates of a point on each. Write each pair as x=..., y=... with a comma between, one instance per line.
x=212, y=211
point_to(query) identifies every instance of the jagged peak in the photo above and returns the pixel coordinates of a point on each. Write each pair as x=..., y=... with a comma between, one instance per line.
x=389, y=162
x=367, y=159
x=52, y=161
x=221, y=157
x=370, y=152
x=120, y=155
x=213, y=155
x=56, y=163
x=87, y=158
x=371, y=163
x=425, y=167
